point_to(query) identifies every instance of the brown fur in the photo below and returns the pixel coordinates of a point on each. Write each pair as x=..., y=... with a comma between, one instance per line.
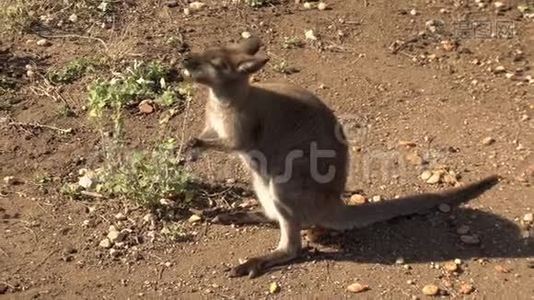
x=274, y=128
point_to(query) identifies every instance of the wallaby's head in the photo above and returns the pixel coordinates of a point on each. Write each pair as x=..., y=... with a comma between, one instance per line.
x=221, y=66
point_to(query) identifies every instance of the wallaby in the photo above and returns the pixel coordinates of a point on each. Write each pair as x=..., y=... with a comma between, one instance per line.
x=295, y=149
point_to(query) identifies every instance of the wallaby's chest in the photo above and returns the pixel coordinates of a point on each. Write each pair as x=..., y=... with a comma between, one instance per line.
x=225, y=120
x=218, y=122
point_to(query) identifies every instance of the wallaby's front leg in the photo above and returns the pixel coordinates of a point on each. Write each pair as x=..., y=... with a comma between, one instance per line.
x=288, y=249
x=208, y=139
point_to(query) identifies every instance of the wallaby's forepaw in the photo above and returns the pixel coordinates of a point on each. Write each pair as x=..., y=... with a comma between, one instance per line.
x=192, y=143
x=192, y=150
x=192, y=155
x=253, y=267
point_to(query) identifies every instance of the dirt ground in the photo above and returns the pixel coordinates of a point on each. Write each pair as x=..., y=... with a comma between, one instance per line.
x=459, y=96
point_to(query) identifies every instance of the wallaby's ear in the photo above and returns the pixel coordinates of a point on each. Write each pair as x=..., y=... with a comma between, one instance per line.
x=249, y=46
x=252, y=64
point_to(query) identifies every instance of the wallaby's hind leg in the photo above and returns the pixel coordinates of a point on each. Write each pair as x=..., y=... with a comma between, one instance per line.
x=288, y=249
x=242, y=218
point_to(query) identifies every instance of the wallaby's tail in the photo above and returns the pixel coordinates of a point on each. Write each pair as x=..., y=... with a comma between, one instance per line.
x=358, y=216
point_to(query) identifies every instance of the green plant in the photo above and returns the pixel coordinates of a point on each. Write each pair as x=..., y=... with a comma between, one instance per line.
x=16, y=16
x=74, y=70
x=42, y=179
x=65, y=111
x=147, y=177
x=291, y=43
x=71, y=190
x=7, y=83
x=176, y=233
x=284, y=68
x=140, y=81
x=106, y=6
x=143, y=176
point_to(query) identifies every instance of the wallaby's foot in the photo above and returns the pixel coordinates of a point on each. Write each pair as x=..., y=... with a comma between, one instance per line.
x=253, y=267
x=241, y=218
x=256, y=266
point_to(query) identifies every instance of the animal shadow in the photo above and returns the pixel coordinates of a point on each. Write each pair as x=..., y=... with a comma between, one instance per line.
x=431, y=238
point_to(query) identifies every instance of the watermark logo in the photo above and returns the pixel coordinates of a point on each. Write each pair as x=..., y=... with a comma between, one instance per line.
x=319, y=162
x=484, y=29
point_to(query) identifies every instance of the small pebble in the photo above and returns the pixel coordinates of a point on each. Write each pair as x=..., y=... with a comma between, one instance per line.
x=120, y=217
x=448, y=45
x=69, y=250
x=377, y=198
x=430, y=290
x=310, y=35
x=172, y=3
x=114, y=253
x=114, y=236
x=43, y=42
x=11, y=180
x=435, y=178
x=146, y=106
x=274, y=288
x=194, y=219
x=105, y=243
x=510, y=76
x=73, y=18
x=357, y=288
x=466, y=289
x=463, y=229
x=523, y=8
x=502, y=269
x=399, y=261
x=85, y=181
x=415, y=159
x=149, y=218
x=356, y=199
x=499, y=70
x=246, y=34
x=451, y=266
x=426, y=175
x=321, y=6
x=197, y=5
x=407, y=144
x=470, y=239
x=488, y=141
x=444, y=208
x=528, y=218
